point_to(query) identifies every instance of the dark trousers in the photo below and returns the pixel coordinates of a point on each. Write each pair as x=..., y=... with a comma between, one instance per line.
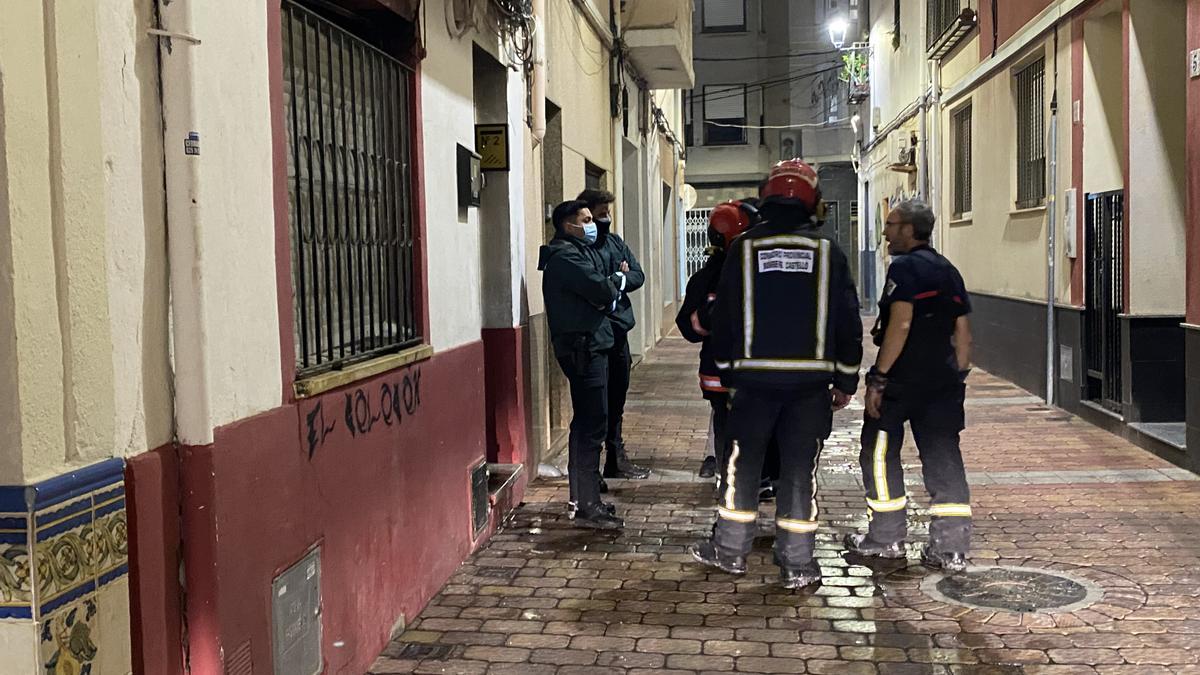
x=800, y=421
x=619, y=364
x=587, y=373
x=936, y=418
x=722, y=442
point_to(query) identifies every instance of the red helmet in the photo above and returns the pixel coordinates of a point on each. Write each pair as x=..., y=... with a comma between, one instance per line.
x=728, y=219
x=793, y=179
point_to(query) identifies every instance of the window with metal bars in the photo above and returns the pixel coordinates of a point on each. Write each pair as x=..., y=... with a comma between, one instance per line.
x=1031, y=134
x=940, y=16
x=349, y=121
x=723, y=16
x=961, y=131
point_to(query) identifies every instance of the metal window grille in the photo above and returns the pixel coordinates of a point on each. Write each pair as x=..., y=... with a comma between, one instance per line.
x=1031, y=135
x=723, y=15
x=348, y=109
x=962, y=161
x=1104, y=297
x=940, y=17
x=696, y=235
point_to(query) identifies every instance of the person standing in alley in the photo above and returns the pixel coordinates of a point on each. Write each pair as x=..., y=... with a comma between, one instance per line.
x=787, y=337
x=579, y=298
x=924, y=342
x=619, y=262
x=726, y=222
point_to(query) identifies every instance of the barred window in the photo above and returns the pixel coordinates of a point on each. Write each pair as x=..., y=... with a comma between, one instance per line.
x=961, y=138
x=1031, y=134
x=349, y=109
x=940, y=16
x=725, y=104
x=723, y=16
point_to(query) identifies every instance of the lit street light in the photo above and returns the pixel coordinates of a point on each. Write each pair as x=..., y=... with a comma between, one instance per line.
x=837, y=31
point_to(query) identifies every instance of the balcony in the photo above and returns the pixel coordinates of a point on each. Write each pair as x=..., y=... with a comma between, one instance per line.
x=658, y=35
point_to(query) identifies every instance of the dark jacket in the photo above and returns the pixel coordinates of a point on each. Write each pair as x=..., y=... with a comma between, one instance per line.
x=578, y=296
x=613, y=251
x=787, y=313
x=695, y=320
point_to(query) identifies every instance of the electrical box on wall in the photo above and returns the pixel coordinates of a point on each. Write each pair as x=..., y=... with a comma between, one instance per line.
x=470, y=177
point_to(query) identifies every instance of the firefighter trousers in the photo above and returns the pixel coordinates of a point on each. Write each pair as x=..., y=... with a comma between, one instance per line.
x=936, y=417
x=800, y=421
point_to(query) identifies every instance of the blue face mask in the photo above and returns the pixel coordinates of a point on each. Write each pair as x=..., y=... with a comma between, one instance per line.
x=589, y=232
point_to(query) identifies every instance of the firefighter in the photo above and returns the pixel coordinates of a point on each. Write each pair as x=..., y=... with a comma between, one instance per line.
x=919, y=377
x=787, y=337
x=726, y=222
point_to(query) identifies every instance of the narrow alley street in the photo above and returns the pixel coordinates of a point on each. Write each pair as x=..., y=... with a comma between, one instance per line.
x=1052, y=495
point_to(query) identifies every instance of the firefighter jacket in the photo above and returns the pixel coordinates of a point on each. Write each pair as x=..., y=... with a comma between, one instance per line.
x=578, y=296
x=695, y=321
x=613, y=251
x=787, y=312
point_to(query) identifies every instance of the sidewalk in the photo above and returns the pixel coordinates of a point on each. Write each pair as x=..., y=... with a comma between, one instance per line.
x=1089, y=551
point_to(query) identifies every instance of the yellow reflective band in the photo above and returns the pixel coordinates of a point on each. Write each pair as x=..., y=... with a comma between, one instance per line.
x=889, y=505
x=812, y=514
x=747, y=300
x=822, y=298
x=950, y=510
x=847, y=368
x=799, y=526
x=737, y=516
x=881, y=486
x=722, y=365
x=731, y=476
x=794, y=239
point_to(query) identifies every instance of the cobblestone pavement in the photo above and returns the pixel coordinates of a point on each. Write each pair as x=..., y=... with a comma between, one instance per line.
x=1052, y=495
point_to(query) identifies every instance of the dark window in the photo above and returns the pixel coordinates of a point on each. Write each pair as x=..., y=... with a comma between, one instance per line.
x=723, y=16
x=688, y=138
x=349, y=109
x=1031, y=135
x=940, y=16
x=725, y=114
x=961, y=130
x=593, y=176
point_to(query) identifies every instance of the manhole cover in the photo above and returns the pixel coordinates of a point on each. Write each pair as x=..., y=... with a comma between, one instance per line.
x=1014, y=589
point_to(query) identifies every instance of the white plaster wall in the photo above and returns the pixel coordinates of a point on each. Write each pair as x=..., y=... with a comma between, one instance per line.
x=452, y=236
x=1103, y=119
x=1157, y=185
x=136, y=231
x=19, y=647
x=577, y=81
x=238, y=216
x=896, y=74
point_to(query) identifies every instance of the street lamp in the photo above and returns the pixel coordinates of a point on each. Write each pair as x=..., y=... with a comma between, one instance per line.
x=838, y=27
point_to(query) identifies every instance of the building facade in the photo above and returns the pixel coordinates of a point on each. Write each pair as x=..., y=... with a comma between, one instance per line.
x=269, y=310
x=1052, y=137
x=769, y=87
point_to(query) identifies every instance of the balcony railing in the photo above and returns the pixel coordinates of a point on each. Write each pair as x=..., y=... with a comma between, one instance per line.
x=947, y=23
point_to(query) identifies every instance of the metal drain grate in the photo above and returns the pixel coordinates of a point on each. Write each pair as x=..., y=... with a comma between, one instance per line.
x=424, y=652
x=1014, y=589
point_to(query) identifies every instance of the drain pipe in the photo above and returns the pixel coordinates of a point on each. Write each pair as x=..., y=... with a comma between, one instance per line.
x=185, y=245
x=1051, y=234
x=538, y=93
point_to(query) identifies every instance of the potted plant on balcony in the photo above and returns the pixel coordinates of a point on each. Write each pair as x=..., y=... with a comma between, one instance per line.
x=854, y=74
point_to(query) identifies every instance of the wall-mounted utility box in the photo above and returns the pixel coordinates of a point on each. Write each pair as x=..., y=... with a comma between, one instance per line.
x=470, y=177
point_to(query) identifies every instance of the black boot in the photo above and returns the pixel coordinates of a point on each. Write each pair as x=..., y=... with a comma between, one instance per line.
x=707, y=554
x=708, y=468
x=799, y=577
x=603, y=487
x=946, y=560
x=597, y=516
x=617, y=465
x=864, y=545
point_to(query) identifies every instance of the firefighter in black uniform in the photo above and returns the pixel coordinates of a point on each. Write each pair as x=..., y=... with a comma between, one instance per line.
x=924, y=344
x=788, y=339
x=618, y=262
x=726, y=222
x=579, y=298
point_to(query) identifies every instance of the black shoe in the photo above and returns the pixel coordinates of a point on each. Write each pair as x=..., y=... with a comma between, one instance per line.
x=766, y=493
x=861, y=544
x=708, y=468
x=611, y=508
x=949, y=561
x=597, y=517
x=621, y=467
x=707, y=554
x=603, y=487
x=799, y=577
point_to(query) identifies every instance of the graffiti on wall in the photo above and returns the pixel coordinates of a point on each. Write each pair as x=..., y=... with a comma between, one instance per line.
x=359, y=412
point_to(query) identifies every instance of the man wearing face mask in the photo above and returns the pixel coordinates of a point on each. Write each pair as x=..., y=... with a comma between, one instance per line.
x=619, y=264
x=579, y=297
